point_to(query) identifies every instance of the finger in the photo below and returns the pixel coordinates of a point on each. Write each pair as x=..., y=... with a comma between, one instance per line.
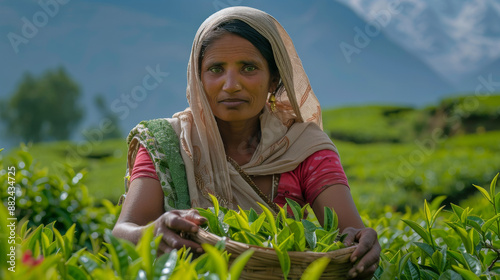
x=351, y=236
x=366, y=238
x=173, y=240
x=195, y=217
x=368, y=273
x=368, y=262
x=178, y=223
x=365, y=274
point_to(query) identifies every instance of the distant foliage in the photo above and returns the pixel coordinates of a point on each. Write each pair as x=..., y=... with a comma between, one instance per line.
x=44, y=198
x=43, y=108
x=438, y=243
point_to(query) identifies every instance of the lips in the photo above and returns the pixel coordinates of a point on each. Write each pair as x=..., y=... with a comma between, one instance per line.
x=231, y=102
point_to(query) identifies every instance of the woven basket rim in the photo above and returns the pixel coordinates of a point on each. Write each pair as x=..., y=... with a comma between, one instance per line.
x=203, y=236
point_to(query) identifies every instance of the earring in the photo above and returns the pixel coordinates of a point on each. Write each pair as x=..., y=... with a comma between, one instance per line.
x=272, y=101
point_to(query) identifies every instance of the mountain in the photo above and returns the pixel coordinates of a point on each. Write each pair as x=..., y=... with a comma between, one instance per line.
x=456, y=38
x=382, y=71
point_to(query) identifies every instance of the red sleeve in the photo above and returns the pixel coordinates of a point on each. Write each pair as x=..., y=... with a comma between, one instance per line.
x=143, y=165
x=309, y=179
x=320, y=170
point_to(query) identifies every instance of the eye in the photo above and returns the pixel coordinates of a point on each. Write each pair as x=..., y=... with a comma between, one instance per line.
x=215, y=69
x=249, y=68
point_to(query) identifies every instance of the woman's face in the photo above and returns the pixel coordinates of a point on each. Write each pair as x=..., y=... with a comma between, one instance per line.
x=236, y=78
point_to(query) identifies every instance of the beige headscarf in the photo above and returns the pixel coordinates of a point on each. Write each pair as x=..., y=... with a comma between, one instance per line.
x=289, y=135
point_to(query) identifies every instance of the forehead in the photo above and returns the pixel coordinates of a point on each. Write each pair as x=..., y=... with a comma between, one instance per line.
x=230, y=46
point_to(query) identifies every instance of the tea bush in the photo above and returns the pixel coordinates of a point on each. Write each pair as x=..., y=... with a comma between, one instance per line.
x=52, y=242
x=43, y=198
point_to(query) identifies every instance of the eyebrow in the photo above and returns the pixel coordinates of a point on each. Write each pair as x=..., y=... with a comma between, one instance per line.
x=220, y=63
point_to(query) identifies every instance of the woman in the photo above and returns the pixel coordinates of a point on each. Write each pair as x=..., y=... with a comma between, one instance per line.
x=252, y=133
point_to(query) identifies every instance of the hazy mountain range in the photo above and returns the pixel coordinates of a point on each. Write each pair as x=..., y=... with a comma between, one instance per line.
x=420, y=52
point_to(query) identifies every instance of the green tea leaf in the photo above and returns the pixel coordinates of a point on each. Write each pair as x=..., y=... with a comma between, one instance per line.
x=130, y=248
x=457, y=210
x=497, y=202
x=484, y=193
x=328, y=219
x=243, y=214
x=252, y=215
x=426, y=248
x=298, y=230
x=458, y=257
x=475, y=222
x=213, y=221
x=464, y=236
x=270, y=219
x=334, y=246
x=284, y=259
x=33, y=238
x=403, y=262
x=489, y=222
x=243, y=224
x=248, y=238
x=390, y=271
x=427, y=213
x=89, y=262
x=165, y=265
x=493, y=186
x=119, y=255
x=412, y=271
x=257, y=224
x=76, y=273
x=218, y=263
x=296, y=209
x=466, y=274
x=473, y=263
x=449, y=275
x=433, y=219
x=310, y=214
x=216, y=204
x=437, y=258
x=419, y=230
x=75, y=256
x=239, y=264
x=146, y=250
x=315, y=269
x=310, y=234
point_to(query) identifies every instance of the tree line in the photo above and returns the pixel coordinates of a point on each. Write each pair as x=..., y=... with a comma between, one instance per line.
x=48, y=107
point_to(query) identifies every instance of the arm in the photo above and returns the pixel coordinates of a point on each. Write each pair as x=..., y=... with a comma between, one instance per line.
x=143, y=205
x=339, y=198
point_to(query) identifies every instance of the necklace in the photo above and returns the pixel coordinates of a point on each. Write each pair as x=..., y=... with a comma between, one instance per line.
x=247, y=178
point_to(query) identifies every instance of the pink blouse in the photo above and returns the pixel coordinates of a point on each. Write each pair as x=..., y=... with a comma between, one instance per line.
x=304, y=184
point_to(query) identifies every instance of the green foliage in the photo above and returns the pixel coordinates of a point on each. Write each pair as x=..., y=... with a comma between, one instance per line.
x=301, y=233
x=455, y=242
x=46, y=252
x=43, y=198
x=43, y=108
x=275, y=231
x=104, y=162
x=453, y=245
x=424, y=169
x=368, y=124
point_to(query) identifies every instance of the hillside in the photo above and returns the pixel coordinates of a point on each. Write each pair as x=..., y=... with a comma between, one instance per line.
x=406, y=152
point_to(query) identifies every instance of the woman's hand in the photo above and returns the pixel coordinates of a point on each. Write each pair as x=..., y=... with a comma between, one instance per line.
x=367, y=254
x=174, y=226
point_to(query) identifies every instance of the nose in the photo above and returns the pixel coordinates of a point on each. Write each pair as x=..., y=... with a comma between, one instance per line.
x=231, y=82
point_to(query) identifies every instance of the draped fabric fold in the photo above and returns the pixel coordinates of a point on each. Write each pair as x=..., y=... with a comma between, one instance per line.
x=289, y=135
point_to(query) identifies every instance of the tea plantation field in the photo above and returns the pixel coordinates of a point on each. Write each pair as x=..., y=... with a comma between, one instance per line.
x=393, y=156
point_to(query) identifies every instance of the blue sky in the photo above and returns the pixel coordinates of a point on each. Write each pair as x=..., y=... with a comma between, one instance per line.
x=107, y=47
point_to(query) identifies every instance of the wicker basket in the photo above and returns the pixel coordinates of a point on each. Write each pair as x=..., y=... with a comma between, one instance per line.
x=264, y=263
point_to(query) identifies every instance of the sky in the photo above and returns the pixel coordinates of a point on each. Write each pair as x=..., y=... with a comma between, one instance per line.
x=109, y=47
